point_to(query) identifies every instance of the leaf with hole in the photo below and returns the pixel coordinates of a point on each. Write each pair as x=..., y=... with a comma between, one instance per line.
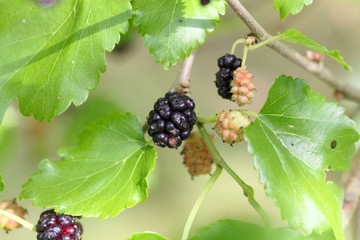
x=292, y=143
x=101, y=176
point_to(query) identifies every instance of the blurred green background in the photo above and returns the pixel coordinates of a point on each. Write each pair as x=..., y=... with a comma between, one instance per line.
x=133, y=81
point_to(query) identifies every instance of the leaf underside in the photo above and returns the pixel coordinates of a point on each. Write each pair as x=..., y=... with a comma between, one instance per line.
x=287, y=7
x=296, y=136
x=100, y=177
x=296, y=37
x=172, y=29
x=52, y=52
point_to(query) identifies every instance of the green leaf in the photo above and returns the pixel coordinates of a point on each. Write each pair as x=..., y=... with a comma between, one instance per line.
x=147, y=236
x=288, y=7
x=51, y=56
x=172, y=29
x=296, y=37
x=103, y=175
x=77, y=121
x=238, y=230
x=2, y=185
x=229, y=230
x=296, y=136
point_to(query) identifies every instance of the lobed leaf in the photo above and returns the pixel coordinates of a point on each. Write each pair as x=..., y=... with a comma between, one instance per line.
x=172, y=29
x=147, y=236
x=296, y=136
x=233, y=229
x=288, y=7
x=52, y=52
x=296, y=37
x=103, y=175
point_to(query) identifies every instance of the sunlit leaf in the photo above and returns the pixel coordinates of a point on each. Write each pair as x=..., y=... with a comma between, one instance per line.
x=104, y=174
x=52, y=52
x=172, y=29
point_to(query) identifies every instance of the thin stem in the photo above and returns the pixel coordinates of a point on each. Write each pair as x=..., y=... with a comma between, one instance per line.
x=199, y=201
x=237, y=42
x=265, y=42
x=245, y=53
x=18, y=219
x=350, y=90
x=248, y=191
x=250, y=113
x=210, y=119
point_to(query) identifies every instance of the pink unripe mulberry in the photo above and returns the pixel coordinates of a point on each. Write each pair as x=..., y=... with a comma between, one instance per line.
x=197, y=156
x=230, y=126
x=242, y=87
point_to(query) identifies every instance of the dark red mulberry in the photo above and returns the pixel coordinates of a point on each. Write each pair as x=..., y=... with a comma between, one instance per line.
x=57, y=226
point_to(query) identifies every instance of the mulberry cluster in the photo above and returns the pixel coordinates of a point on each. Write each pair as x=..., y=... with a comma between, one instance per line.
x=172, y=120
x=197, y=156
x=230, y=126
x=242, y=87
x=13, y=207
x=56, y=226
x=227, y=64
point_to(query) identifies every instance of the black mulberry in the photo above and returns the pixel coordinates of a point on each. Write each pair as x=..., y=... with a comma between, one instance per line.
x=227, y=64
x=171, y=120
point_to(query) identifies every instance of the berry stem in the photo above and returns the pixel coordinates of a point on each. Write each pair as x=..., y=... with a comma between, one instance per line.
x=18, y=219
x=199, y=201
x=248, y=190
x=250, y=113
x=249, y=193
x=237, y=42
x=210, y=119
x=265, y=42
x=245, y=53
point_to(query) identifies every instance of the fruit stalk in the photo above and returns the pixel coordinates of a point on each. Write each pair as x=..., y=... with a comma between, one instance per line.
x=219, y=161
x=199, y=201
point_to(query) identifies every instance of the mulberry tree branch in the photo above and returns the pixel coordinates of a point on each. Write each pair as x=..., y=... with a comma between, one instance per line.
x=183, y=82
x=322, y=72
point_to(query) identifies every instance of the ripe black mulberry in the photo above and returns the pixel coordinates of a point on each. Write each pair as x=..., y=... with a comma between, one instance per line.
x=171, y=120
x=227, y=64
